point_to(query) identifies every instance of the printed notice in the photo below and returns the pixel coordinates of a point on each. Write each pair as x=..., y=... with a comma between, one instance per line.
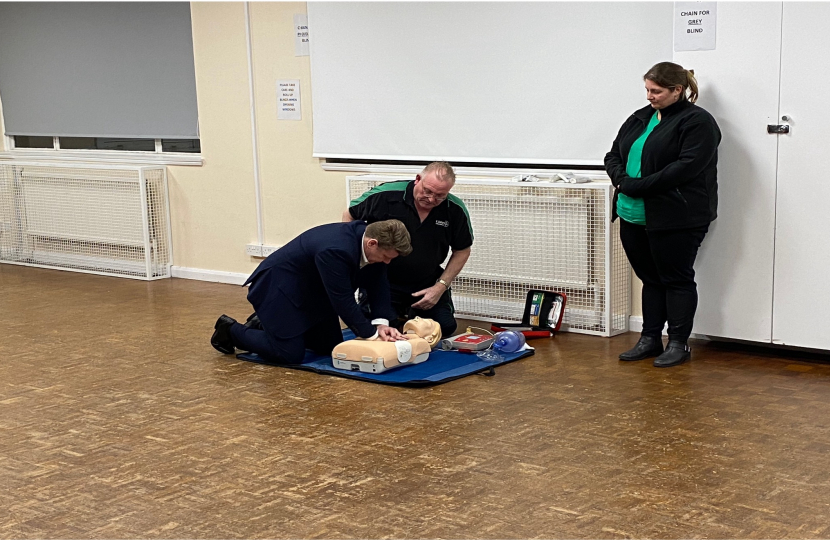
x=695, y=26
x=300, y=35
x=288, y=98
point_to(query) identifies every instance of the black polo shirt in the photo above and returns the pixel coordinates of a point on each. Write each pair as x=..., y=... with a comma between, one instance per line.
x=447, y=226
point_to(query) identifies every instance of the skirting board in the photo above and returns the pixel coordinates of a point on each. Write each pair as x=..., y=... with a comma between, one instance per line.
x=232, y=278
x=635, y=324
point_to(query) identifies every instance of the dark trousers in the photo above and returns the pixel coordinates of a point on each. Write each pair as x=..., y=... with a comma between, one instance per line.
x=321, y=339
x=664, y=262
x=443, y=312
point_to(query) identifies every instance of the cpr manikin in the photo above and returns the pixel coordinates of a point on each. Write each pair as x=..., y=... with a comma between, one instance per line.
x=373, y=356
x=426, y=328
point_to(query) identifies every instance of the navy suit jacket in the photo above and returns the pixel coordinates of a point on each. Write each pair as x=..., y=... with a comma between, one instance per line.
x=314, y=277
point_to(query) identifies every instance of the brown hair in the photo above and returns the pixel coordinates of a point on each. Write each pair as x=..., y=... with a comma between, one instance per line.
x=442, y=170
x=671, y=75
x=390, y=234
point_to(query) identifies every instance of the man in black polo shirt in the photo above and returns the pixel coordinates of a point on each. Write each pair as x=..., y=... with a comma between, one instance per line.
x=437, y=223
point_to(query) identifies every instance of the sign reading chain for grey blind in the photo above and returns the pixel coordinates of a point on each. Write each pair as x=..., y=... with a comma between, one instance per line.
x=103, y=69
x=695, y=26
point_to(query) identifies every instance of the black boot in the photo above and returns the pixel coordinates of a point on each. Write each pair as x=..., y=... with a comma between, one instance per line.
x=646, y=347
x=221, y=338
x=676, y=353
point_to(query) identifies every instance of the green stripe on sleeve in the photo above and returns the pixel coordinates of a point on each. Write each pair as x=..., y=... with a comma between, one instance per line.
x=452, y=199
x=399, y=185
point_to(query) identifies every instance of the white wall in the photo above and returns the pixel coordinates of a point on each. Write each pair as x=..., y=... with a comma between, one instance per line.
x=213, y=207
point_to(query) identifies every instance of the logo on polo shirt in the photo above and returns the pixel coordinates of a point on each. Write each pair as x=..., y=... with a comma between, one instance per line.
x=442, y=223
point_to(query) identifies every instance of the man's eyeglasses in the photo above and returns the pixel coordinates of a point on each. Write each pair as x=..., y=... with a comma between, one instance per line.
x=432, y=195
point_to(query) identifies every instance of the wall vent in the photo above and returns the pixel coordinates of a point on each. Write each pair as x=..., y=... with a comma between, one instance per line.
x=103, y=219
x=538, y=235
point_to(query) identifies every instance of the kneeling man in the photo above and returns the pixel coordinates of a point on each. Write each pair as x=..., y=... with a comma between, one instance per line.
x=301, y=289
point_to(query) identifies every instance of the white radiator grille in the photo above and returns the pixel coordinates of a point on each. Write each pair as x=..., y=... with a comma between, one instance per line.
x=541, y=235
x=103, y=219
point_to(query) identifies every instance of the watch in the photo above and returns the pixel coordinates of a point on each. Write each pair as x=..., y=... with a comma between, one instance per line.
x=444, y=283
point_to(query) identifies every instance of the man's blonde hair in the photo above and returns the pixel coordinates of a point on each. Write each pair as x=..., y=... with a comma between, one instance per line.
x=390, y=234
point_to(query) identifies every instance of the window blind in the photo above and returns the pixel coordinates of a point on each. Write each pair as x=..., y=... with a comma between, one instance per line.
x=90, y=69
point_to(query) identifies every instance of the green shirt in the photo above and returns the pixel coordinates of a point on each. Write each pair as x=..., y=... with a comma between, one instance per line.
x=631, y=209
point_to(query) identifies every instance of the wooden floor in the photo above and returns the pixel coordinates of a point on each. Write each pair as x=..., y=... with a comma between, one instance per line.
x=118, y=420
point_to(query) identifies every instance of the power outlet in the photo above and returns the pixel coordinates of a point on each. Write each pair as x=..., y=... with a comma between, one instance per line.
x=267, y=250
x=254, y=250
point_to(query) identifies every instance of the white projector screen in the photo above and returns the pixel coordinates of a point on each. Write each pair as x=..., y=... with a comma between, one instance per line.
x=491, y=82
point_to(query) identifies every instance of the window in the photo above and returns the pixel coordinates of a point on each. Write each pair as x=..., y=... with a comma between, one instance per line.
x=104, y=143
x=24, y=141
x=181, y=145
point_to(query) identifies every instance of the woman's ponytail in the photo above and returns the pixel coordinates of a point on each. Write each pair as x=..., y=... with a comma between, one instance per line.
x=691, y=82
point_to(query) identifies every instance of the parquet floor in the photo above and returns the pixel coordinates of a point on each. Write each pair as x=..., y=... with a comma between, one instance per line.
x=118, y=420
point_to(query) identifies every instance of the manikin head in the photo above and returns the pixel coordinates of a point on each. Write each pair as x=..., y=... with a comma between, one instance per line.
x=425, y=328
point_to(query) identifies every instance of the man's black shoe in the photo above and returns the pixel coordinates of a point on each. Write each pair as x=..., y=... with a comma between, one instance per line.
x=676, y=353
x=253, y=322
x=647, y=346
x=221, y=338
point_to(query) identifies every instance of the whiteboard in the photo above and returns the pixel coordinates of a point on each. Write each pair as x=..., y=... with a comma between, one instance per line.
x=497, y=82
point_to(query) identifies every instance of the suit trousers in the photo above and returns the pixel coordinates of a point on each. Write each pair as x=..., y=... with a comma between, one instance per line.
x=664, y=261
x=321, y=339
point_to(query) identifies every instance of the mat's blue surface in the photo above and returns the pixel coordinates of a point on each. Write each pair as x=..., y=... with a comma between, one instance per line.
x=442, y=366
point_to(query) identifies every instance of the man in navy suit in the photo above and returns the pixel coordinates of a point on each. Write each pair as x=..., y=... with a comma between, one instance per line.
x=301, y=289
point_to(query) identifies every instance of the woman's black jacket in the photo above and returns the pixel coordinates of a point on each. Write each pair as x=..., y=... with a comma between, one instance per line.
x=679, y=183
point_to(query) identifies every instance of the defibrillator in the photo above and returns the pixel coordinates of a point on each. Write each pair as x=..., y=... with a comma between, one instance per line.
x=542, y=316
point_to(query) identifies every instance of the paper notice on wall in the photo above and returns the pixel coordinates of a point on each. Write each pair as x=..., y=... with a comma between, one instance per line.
x=300, y=35
x=695, y=26
x=288, y=99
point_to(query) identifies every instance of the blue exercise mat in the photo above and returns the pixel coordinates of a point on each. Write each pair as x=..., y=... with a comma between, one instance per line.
x=442, y=366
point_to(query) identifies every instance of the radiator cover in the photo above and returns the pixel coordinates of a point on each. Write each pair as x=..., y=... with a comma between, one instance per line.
x=538, y=235
x=102, y=219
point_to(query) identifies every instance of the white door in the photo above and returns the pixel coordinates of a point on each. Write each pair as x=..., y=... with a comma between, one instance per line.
x=739, y=87
x=801, y=302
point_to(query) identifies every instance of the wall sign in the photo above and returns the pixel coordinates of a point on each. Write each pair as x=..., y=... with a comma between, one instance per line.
x=288, y=99
x=300, y=35
x=695, y=26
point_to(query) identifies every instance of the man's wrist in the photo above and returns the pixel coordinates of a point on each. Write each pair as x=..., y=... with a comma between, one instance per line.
x=444, y=283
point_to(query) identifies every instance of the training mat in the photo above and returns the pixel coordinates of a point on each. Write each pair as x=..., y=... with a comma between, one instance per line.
x=442, y=366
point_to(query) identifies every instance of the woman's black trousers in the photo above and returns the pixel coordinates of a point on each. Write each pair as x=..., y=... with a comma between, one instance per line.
x=664, y=261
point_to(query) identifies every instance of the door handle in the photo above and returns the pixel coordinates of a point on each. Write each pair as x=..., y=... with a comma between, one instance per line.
x=778, y=128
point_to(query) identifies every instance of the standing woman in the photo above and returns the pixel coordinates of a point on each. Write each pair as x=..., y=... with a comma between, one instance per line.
x=663, y=165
